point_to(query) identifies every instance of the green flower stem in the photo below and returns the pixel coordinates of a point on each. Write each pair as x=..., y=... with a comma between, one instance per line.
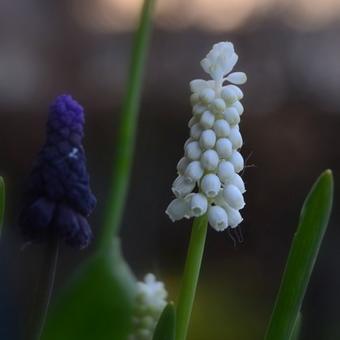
x=127, y=129
x=191, y=274
x=44, y=290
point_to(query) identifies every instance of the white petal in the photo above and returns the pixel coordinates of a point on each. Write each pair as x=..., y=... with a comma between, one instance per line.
x=182, y=186
x=193, y=151
x=233, y=197
x=234, y=216
x=218, y=218
x=198, y=85
x=198, y=205
x=182, y=165
x=177, y=209
x=237, y=160
x=237, y=78
x=194, y=171
x=225, y=171
x=207, y=139
x=207, y=120
x=221, y=128
x=209, y=160
x=224, y=147
x=210, y=185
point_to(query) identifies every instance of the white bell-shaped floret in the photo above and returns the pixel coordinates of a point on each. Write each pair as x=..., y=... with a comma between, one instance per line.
x=194, y=171
x=231, y=115
x=229, y=95
x=221, y=128
x=177, y=209
x=195, y=131
x=224, y=147
x=235, y=138
x=182, y=165
x=238, y=182
x=233, y=197
x=197, y=85
x=217, y=218
x=209, y=160
x=217, y=106
x=237, y=160
x=239, y=107
x=194, y=99
x=207, y=95
x=182, y=186
x=198, y=109
x=210, y=185
x=207, y=120
x=238, y=91
x=193, y=120
x=198, y=205
x=207, y=139
x=234, y=216
x=225, y=171
x=237, y=78
x=193, y=151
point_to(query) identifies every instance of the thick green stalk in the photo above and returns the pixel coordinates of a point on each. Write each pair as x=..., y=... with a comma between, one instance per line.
x=190, y=277
x=302, y=257
x=127, y=129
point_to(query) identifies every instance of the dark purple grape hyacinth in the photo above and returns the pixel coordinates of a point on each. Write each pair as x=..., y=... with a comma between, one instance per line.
x=59, y=198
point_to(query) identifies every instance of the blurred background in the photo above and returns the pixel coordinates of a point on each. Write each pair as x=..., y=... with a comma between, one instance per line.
x=290, y=51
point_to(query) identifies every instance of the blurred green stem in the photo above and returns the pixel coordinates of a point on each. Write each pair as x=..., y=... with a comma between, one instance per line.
x=190, y=277
x=44, y=290
x=127, y=129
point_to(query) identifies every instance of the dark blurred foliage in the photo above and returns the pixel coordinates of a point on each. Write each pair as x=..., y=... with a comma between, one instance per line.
x=290, y=128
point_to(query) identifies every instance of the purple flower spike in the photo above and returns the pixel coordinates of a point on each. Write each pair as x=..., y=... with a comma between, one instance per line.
x=59, y=197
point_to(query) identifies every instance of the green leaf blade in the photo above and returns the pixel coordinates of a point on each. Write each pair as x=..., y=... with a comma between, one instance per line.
x=2, y=203
x=98, y=302
x=304, y=250
x=166, y=326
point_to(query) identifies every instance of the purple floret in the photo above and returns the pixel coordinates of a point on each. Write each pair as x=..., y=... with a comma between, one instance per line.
x=59, y=198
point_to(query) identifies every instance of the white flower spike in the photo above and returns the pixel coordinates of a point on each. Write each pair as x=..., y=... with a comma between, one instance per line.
x=149, y=303
x=212, y=161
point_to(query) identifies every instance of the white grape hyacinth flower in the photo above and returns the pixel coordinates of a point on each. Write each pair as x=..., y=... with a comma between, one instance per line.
x=149, y=303
x=208, y=180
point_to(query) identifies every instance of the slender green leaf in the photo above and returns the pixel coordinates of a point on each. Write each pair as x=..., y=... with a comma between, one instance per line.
x=305, y=247
x=2, y=203
x=165, y=329
x=297, y=328
x=128, y=128
x=98, y=302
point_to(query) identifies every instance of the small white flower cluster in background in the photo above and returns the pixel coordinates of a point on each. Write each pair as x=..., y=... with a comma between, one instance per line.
x=211, y=162
x=149, y=304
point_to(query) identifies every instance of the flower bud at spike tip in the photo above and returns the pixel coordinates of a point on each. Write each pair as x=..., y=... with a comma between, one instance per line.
x=58, y=197
x=208, y=181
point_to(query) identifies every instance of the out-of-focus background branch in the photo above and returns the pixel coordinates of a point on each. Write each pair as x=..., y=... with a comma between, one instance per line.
x=291, y=53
